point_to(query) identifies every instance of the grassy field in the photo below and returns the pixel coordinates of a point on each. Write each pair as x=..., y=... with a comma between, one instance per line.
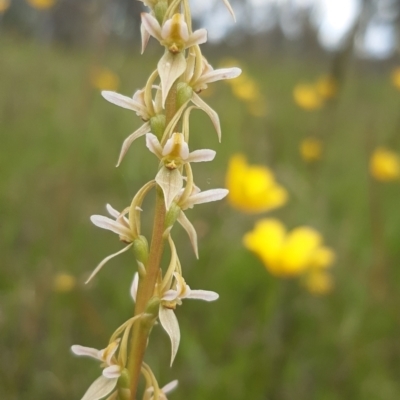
x=265, y=338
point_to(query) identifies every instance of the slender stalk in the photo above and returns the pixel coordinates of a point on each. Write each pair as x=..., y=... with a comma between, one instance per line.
x=147, y=284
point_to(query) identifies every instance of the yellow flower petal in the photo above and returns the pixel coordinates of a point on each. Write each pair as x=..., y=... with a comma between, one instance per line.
x=323, y=257
x=104, y=79
x=64, y=283
x=41, y=4
x=319, y=283
x=385, y=165
x=266, y=240
x=252, y=188
x=396, y=78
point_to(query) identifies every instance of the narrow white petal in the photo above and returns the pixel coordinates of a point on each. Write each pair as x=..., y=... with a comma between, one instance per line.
x=230, y=9
x=100, y=266
x=209, y=111
x=154, y=145
x=201, y=155
x=197, y=37
x=169, y=387
x=145, y=37
x=100, y=388
x=113, y=371
x=134, y=286
x=170, y=323
x=112, y=211
x=205, y=295
x=170, y=68
x=205, y=197
x=145, y=128
x=151, y=25
x=170, y=295
x=189, y=228
x=111, y=225
x=85, y=351
x=219, y=74
x=124, y=102
x=171, y=183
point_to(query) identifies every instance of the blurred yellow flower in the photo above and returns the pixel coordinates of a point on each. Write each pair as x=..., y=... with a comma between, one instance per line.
x=385, y=165
x=319, y=283
x=104, y=79
x=4, y=5
x=252, y=188
x=311, y=149
x=64, y=283
x=396, y=78
x=326, y=87
x=307, y=97
x=41, y=4
x=289, y=254
x=245, y=88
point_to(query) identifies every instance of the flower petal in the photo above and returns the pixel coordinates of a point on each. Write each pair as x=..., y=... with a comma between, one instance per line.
x=154, y=145
x=217, y=75
x=112, y=211
x=201, y=155
x=111, y=225
x=170, y=68
x=209, y=111
x=151, y=25
x=171, y=183
x=230, y=9
x=206, y=295
x=134, y=286
x=113, y=371
x=86, y=351
x=145, y=37
x=169, y=387
x=205, y=197
x=170, y=324
x=125, y=102
x=100, y=266
x=197, y=37
x=145, y=128
x=170, y=295
x=100, y=388
x=189, y=228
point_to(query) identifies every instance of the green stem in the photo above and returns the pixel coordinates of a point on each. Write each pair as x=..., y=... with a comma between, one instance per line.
x=147, y=283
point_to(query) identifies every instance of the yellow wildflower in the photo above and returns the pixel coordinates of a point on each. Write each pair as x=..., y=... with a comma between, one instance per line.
x=396, y=78
x=288, y=254
x=385, y=165
x=311, y=149
x=63, y=283
x=326, y=87
x=41, y=4
x=252, y=188
x=319, y=283
x=104, y=79
x=307, y=97
x=4, y=5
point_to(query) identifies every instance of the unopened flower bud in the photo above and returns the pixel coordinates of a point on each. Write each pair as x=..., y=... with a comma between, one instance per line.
x=157, y=125
x=141, y=249
x=124, y=380
x=183, y=94
x=172, y=215
x=160, y=10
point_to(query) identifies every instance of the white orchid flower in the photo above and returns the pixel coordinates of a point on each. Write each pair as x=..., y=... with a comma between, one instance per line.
x=169, y=387
x=169, y=299
x=173, y=155
x=107, y=382
x=196, y=197
x=120, y=226
x=175, y=36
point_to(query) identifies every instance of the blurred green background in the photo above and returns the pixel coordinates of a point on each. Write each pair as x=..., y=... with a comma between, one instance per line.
x=265, y=338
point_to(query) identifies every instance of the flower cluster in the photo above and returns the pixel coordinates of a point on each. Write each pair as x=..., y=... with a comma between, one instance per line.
x=164, y=104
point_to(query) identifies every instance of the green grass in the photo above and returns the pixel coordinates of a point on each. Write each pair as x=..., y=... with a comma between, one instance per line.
x=265, y=338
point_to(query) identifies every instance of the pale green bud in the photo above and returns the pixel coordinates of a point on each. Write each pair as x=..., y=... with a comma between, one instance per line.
x=157, y=125
x=160, y=10
x=141, y=249
x=124, y=380
x=183, y=94
x=172, y=215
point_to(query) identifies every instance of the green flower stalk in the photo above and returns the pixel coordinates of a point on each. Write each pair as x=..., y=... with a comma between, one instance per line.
x=164, y=104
